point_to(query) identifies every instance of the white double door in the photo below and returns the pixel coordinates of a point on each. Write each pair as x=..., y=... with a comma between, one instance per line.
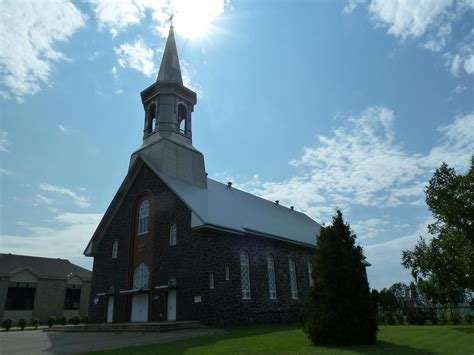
x=140, y=308
x=171, y=307
x=110, y=309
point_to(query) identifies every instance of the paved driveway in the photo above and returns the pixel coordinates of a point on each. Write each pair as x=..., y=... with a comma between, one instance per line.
x=39, y=342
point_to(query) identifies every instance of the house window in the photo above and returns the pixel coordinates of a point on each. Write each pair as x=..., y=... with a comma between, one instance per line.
x=20, y=296
x=245, y=275
x=310, y=273
x=173, y=234
x=73, y=297
x=143, y=217
x=211, y=280
x=140, y=277
x=293, y=283
x=115, y=249
x=271, y=277
x=227, y=273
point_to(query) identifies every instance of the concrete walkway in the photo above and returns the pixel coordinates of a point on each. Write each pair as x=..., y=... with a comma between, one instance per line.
x=39, y=342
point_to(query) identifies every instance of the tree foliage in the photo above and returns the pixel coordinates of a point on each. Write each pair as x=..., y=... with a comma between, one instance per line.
x=444, y=266
x=338, y=310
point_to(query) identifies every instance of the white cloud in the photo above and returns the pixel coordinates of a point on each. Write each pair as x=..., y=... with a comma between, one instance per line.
x=190, y=16
x=386, y=258
x=362, y=164
x=67, y=239
x=352, y=5
x=40, y=199
x=369, y=228
x=137, y=56
x=62, y=128
x=29, y=32
x=431, y=23
x=80, y=201
x=4, y=141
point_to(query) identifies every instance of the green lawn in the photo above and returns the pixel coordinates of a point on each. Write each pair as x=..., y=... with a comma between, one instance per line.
x=290, y=339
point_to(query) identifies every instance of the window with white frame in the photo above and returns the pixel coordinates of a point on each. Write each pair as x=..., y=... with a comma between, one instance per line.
x=143, y=217
x=310, y=273
x=173, y=234
x=140, y=277
x=227, y=273
x=293, y=283
x=271, y=277
x=245, y=274
x=115, y=249
x=211, y=280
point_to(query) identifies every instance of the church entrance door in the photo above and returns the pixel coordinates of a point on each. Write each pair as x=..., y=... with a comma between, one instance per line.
x=140, y=308
x=110, y=309
x=171, y=314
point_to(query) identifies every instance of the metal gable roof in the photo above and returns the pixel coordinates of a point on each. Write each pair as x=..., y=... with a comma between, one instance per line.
x=230, y=208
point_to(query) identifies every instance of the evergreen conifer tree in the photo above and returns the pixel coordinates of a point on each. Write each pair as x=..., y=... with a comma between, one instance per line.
x=338, y=310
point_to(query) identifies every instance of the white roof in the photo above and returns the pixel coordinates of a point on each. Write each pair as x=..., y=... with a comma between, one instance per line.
x=226, y=207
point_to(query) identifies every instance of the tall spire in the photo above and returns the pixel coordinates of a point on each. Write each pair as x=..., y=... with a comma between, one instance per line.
x=170, y=70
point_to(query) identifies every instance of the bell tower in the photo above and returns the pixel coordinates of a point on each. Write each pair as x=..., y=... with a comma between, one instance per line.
x=167, y=134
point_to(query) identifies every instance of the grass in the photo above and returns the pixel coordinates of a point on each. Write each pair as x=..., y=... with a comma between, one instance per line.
x=290, y=339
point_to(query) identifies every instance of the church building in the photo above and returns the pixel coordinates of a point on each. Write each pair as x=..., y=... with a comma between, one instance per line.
x=177, y=245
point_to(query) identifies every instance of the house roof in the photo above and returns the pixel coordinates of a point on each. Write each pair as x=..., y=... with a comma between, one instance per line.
x=42, y=267
x=227, y=207
x=222, y=207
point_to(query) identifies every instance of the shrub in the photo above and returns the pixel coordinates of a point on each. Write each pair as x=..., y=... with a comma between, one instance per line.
x=455, y=316
x=85, y=319
x=443, y=318
x=75, y=320
x=469, y=318
x=400, y=318
x=22, y=323
x=420, y=317
x=389, y=318
x=411, y=316
x=62, y=320
x=339, y=261
x=51, y=321
x=7, y=324
x=432, y=316
x=381, y=318
x=35, y=323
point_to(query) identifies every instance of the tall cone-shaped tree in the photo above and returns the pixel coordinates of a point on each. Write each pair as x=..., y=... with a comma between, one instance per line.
x=338, y=310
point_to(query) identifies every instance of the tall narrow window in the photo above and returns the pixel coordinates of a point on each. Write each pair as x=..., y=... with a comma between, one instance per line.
x=140, y=277
x=211, y=280
x=310, y=273
x=293, y=283
x=245, y=275
x=173, y=234
x=227, y=273
x=73, y=297
x=115, y=249
x=271, y=277
x=143, y=217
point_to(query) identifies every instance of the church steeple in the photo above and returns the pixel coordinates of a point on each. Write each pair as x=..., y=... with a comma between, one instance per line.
x=167, y=134
x=170, y=70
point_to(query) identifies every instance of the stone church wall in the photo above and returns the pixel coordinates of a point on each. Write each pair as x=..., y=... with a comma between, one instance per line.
x=197, y=254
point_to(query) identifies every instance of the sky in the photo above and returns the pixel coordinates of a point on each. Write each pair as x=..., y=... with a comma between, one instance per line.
x=319, y=104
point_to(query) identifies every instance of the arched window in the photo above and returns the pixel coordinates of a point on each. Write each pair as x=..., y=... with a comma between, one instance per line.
x=151, y=119
x=310, y=273
x=227, y=273
x=293, y=283
x=182, y=118
x=211, y=280
x=115, y=249
x=245, y=274
x=143, y=217
x=173, y=234
x=271, y=277
x=140, y=277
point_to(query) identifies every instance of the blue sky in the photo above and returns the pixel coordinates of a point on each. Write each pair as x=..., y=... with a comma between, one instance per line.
x=319, y=104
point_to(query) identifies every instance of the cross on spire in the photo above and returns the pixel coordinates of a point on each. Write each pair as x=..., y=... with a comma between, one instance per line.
x=170, y=20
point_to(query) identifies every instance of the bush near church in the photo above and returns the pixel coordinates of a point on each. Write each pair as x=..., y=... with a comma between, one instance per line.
x=7, y=324
x=339, y=309
x=62, y=320
x=35, y=323
x=75, y=320
x=51, y=321
x=22, y=323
